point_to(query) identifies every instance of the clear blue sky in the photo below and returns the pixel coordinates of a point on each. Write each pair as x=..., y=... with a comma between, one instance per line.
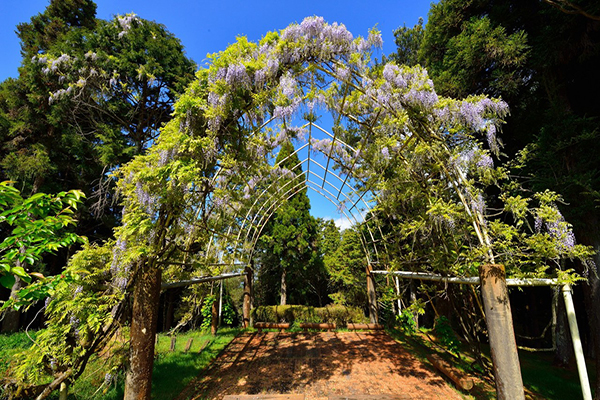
x=209, y=26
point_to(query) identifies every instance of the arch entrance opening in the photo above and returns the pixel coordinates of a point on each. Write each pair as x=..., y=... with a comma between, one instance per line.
x=417, y=163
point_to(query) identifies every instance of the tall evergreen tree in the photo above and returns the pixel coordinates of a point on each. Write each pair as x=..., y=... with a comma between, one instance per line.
x=289, y=252
x=346, y=266
x=90, y=95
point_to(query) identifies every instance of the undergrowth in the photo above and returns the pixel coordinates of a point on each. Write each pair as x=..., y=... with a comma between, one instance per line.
x=541, y=378
x=173, y=370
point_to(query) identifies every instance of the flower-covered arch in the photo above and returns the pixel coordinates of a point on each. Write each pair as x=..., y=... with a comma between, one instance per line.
x=420, y=164
x=211, y=181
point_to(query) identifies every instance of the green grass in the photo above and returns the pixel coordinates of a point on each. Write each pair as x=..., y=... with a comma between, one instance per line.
x=551, y=382
x=172, y=370
x=11, y=345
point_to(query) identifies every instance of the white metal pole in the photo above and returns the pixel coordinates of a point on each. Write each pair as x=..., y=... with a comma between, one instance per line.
x=396, y=280
x=220, y=302
x=583, y=376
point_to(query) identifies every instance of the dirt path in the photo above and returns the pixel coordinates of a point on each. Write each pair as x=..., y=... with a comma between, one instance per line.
x=318, y=365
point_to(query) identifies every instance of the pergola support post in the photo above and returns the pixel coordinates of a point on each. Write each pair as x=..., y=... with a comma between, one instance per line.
x=214, y=323
x=583, y=375
x=503, y=347
x=372, y=296
x=248, y=292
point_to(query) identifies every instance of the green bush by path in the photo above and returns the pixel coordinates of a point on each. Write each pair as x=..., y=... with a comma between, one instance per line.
x=337, y=314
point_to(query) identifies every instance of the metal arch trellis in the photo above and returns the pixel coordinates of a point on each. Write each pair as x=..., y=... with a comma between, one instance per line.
x=271, y=197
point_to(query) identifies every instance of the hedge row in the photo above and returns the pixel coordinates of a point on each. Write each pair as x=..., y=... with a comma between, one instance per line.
x=336, y=314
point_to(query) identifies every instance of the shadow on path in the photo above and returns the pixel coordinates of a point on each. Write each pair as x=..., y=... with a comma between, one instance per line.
x=318, y=365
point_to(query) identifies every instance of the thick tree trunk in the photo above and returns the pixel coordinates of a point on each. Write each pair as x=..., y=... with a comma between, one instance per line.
x=12, y=318
x=503, y=347
x=146, y=295
x=283, y=290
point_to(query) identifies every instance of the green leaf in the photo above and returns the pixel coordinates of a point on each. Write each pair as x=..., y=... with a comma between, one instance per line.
x=20, y=272
x=7, y=281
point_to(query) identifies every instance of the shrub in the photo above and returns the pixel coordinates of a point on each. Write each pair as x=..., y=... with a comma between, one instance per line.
x=337, y=314
x=445, y=334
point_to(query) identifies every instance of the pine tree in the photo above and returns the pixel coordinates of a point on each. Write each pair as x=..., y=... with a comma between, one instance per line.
x=289, y=252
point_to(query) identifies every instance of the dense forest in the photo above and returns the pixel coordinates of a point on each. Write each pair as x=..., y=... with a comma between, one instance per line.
x=124, y=166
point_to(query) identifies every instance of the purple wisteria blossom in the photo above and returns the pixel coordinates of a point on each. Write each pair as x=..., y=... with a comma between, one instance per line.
x=385, y=152
x=478, y=204
x=485, y=162
x=392, y=74
x=286, y=112
x=109, y=379
x=260, y=78
x=237, y=76
x=118, y=270
x=422, y=98
x=375, y=40
x=74, y=322
x=538, y=223
x=561, y=232
x=312, y=26
x=144, y=198
x=166, y=155
x=247, y=191
x=342, y=73
x=288, y=85
x=491, y=137
x=218, y=201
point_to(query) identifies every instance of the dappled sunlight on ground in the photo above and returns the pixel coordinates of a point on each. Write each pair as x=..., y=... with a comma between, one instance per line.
x=318, y=365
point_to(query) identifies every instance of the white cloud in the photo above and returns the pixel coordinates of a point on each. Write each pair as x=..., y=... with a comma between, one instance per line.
x=343, y=223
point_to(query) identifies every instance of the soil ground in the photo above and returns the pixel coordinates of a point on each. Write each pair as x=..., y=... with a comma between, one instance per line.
x=318, y=365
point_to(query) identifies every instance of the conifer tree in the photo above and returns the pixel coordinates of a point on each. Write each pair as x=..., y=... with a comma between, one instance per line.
x=289, y=241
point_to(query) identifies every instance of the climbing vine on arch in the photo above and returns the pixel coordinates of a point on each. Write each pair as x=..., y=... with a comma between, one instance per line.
x=429, y=158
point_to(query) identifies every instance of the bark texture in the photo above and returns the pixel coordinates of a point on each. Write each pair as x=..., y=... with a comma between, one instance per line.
x=12, y=318
x=146, y=295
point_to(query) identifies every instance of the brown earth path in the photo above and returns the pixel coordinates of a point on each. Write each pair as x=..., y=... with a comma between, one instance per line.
x=318, y=365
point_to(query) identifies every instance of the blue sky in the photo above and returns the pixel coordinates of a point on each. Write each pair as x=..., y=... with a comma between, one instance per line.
x=206, y=27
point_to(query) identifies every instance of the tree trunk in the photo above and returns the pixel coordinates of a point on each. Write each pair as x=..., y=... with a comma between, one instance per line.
x=372, y=296
x=283, y=291
x=413, y=299
x=591, y=293
x=170, y=308
x=12, y=318
x=146, y=295
x=503, y=347
x=248, y=294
